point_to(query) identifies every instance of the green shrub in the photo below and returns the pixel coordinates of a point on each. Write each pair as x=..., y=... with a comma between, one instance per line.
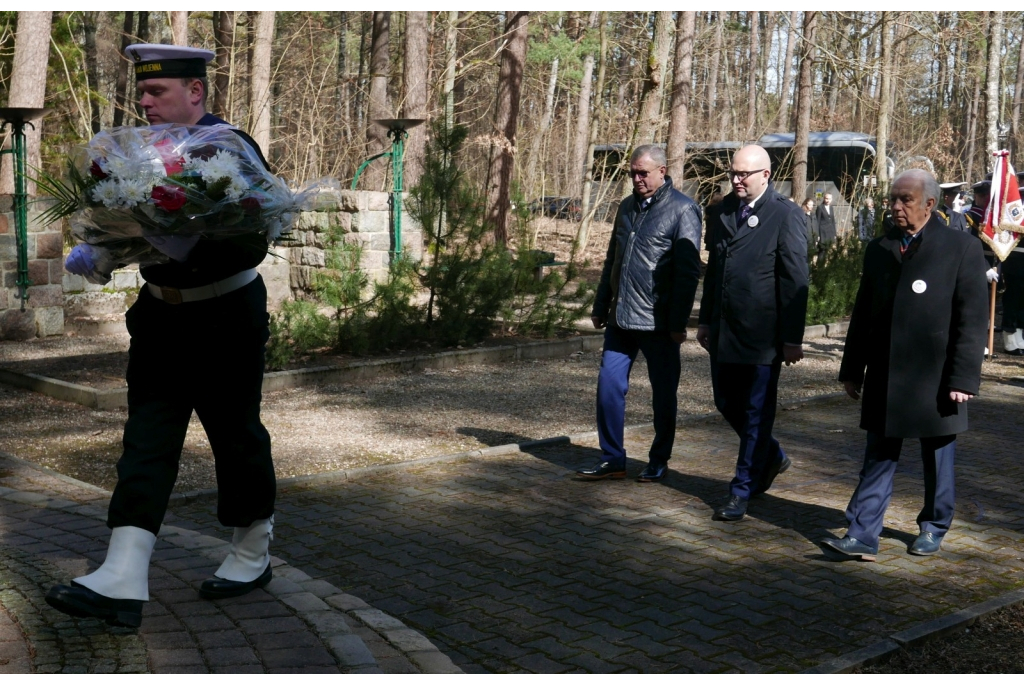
x=834, y=281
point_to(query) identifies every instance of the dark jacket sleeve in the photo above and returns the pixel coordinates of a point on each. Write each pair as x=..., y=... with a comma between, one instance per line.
x=855, y=351
x=603, y=297
x=685, y=266
x=969, y=325
x=791, y=274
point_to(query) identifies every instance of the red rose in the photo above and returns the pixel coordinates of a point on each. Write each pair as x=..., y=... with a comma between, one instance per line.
x=169, y=198
x=174, y=166
x=96, y=171
x=250, y=205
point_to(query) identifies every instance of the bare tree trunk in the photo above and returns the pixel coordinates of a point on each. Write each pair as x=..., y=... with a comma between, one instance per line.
x=579, y=155
x=782, y=123
x=752, y=77
x=224, y=40
x=1017, y=98
x=975, y=109
x=803, y=107
x=259, y=79
x=416, y=66
x=89, y=22
x=882, y=134
x=28, y=89
x=451, y=38
x=506, y=119
x=143, y=37
x=654, y=81
x=583, y=235
x=716, y=52
x=678, y=127
x=121, y=84
x=545, y=126
x=377, y=135
x=995, y=44
x=179, y=27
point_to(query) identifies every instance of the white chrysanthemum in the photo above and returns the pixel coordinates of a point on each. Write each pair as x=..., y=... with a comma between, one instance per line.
x=237, y=188
x=118, y=167
x=107, y=193
x=134, y=191
x=193, y=163
x=221, y=165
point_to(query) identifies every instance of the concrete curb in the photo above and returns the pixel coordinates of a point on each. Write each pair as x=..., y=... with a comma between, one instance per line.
x=918, y=635
x=316, y=602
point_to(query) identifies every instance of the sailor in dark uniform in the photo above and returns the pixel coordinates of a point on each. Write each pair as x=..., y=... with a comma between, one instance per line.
x=198, y=330
x=951, y=209
x=975, y=218
x=1012, y=324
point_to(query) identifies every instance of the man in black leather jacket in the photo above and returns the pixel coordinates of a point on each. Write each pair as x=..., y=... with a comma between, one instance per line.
x=643, y=301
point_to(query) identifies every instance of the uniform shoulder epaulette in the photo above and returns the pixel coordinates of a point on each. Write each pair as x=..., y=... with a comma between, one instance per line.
x=945, y=217
x=971, y=221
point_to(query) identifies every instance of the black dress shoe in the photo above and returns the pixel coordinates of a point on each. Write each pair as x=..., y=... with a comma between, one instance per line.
x=926, y=545
x=653, y=473
x=219, y=588
x=81, y=602
x=602, y=471
x=733, y=510
x=775, y=468
x=852, y=548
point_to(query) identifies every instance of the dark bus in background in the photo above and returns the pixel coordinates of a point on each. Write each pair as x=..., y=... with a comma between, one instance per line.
x=839, y=162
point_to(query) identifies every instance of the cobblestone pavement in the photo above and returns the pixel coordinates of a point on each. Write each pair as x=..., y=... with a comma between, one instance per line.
x=508, y=563
x=52, y=529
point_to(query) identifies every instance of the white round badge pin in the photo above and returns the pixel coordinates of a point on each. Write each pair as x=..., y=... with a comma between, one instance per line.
x=752, y=222
x=919, y=286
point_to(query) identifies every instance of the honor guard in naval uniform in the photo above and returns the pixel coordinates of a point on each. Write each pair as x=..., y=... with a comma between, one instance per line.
x=949, y=209
x=198, y=331
x=1012, y=270
x=975, y=217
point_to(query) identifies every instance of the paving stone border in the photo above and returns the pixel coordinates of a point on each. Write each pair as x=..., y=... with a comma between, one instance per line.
x=918, y=635
x=316, y=602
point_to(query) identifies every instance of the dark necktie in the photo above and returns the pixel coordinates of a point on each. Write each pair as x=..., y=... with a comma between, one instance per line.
x=745, y=212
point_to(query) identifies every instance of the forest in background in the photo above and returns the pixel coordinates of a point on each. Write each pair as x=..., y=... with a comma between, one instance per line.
x=538, y=90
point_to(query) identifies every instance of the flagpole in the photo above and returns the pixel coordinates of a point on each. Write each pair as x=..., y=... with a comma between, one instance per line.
x=992, y=321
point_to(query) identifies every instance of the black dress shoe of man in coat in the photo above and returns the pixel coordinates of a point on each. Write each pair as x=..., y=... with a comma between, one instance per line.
x=733, y=510
x=654, y=472
x=601, y=472
x=926, y=544
x=851, y=548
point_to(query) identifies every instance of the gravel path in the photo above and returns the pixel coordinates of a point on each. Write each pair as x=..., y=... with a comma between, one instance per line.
x=389, y=419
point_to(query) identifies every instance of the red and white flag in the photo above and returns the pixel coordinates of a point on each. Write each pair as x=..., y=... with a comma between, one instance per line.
x=1004, y=216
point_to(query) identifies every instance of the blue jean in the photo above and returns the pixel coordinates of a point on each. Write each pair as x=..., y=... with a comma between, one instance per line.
x=746, y=396
x=620, y=350
x=866, y=511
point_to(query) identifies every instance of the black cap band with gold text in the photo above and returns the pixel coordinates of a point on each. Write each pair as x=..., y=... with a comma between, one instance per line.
x=170, y=68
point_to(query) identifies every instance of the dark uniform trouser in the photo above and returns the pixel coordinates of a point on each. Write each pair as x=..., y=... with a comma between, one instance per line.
x=866, y=511
x=1013, y=295
x=207, y=356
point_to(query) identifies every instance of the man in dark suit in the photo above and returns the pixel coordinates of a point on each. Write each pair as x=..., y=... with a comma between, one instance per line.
x=919, y=328
x=810, y=227
x=752, y=316
x=950, y=210
x=826, y=215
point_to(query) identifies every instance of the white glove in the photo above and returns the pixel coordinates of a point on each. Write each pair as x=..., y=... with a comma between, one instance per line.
x=992, y=275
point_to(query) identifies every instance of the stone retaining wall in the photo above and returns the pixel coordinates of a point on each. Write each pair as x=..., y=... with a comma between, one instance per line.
x=44, y=310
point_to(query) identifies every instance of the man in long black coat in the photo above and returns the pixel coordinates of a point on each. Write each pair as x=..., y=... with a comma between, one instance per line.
x=918, y=328
x=752, y=316
x=826, y=216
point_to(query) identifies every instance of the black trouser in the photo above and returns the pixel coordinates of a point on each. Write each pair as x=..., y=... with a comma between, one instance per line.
x=207, y=356
x=1013, y=293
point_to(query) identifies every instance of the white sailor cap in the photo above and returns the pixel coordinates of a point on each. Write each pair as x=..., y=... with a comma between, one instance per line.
x=952, y=186
x=153, y=60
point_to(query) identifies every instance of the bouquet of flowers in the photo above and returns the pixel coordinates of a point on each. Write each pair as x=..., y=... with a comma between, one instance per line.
x=131, y=190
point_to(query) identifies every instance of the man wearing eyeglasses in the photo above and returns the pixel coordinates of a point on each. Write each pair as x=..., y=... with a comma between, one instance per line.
x=644, y=298
x=752, y=316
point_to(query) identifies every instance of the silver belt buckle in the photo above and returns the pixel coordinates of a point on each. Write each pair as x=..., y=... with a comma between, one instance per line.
x=170, y=295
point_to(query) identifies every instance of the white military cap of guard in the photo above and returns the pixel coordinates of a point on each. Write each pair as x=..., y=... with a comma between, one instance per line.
x=153, y=60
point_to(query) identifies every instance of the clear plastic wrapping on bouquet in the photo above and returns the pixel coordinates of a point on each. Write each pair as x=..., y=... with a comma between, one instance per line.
x=175, y=180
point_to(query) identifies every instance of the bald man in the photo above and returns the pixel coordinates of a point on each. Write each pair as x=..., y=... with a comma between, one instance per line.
x=752, y=316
